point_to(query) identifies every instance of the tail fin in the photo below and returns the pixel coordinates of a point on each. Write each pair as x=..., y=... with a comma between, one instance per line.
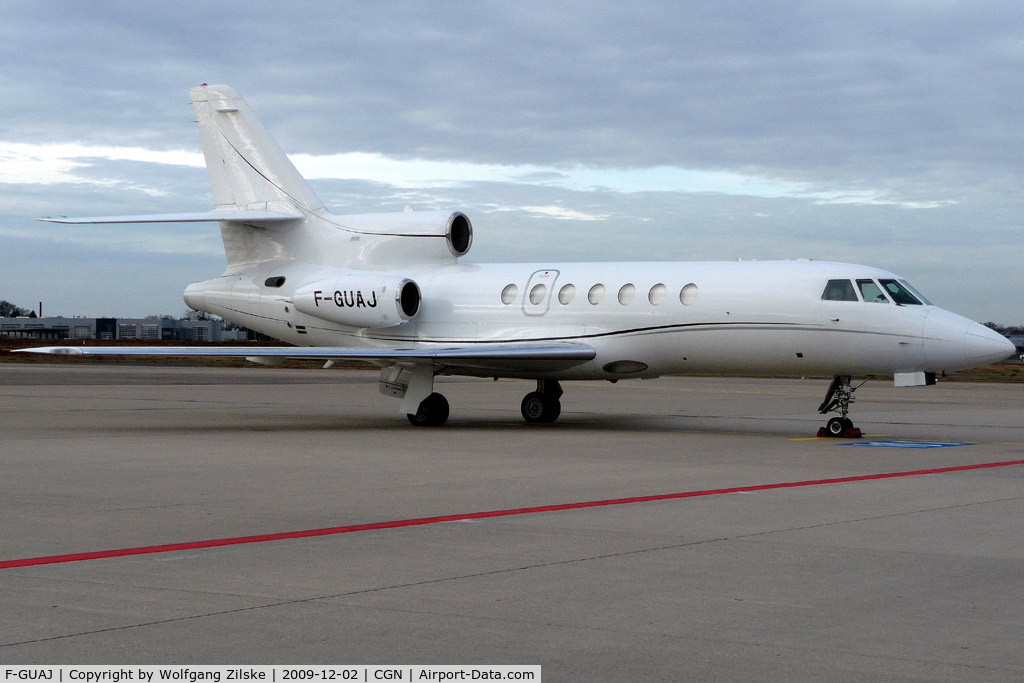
x=247, y=168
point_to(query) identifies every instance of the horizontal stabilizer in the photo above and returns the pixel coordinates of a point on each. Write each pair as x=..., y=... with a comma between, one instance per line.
x=239, y=216
x=470, y=355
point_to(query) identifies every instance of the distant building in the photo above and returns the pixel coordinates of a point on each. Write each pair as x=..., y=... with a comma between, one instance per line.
x=48, y=328
x=142, y=329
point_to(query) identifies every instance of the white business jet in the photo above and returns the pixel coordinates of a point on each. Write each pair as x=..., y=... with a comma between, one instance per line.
x=389, y=290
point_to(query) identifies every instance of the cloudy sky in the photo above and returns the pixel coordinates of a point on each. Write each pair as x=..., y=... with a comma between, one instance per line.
x=885, y=133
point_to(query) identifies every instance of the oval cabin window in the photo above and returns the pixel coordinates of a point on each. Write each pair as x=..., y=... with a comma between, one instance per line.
x=688, y=294
x=626, y=294
x=537, y=294
x=508, y=295
x=566, y=294
x=657, y=294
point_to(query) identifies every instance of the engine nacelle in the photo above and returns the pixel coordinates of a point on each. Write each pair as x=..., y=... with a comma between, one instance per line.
x=454, y=228
x=357, y=299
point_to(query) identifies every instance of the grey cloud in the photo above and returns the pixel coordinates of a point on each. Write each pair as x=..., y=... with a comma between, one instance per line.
x=918, y=101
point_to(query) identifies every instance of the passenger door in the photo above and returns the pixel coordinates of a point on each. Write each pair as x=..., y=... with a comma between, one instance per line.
x=539, y=289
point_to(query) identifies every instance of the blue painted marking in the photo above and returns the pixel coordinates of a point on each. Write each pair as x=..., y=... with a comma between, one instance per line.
x=906, y=444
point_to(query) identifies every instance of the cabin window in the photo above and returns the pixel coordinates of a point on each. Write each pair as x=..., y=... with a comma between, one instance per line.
x=566, y=294
x=688, y=294
x=657, y=294
x=537, y=294
x=839, y=290
x=508, y=295
x=899, y=293
x=596, y=294
x=626, y=294
x=871, y=292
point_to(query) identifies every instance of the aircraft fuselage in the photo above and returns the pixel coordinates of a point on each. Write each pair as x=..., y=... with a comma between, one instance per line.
x=642, y=319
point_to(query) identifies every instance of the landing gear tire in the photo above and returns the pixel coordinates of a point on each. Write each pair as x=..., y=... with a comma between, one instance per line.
x=840, y=428
x=539, y=408
x=432, y=412
x=837, y=425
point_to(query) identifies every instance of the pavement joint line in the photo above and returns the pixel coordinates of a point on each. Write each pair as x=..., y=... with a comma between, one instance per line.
x=362, y=591
x=422, y=521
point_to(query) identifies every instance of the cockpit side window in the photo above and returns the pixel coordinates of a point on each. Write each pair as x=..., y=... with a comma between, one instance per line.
x=839, y=290
x=871, y=292
x=899, y=293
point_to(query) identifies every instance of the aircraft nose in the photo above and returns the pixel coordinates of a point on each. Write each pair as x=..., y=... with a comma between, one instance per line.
x=983, y=346
x=952, y=342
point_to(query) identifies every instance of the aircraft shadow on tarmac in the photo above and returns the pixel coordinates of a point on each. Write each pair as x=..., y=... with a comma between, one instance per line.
x=767, y=426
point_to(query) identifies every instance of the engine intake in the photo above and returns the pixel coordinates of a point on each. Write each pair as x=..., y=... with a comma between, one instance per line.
x=459, y=233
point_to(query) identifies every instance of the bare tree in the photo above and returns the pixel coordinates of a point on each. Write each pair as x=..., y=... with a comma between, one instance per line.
x=9, y=310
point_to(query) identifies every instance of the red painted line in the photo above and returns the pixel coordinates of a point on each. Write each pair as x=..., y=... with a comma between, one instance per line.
x=420, y=521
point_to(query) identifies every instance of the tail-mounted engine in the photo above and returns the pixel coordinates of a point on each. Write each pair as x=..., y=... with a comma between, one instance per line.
x=357, y=299
x=412, y=236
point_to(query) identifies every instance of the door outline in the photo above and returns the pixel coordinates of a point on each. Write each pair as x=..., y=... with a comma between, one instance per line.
x=548, y=278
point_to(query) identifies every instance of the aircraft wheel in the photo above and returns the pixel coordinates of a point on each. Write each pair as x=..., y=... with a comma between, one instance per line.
x=538, y=408
x=836, y=426
x=432, y=412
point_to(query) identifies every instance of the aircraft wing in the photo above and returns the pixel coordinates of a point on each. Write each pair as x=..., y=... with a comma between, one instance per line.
x=239, y=216
x=500, y=356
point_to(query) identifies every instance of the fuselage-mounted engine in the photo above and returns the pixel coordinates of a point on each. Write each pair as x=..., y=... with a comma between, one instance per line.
x=402, y=238
x=360, y=299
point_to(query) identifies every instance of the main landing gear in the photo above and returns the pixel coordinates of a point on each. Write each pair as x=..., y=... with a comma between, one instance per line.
x=838, y=400
x=538, y=407
x=432, y=411
x=542, y=406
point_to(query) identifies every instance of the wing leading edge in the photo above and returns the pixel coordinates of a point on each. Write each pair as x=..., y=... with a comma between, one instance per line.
x=480, y=356
x=237, y=216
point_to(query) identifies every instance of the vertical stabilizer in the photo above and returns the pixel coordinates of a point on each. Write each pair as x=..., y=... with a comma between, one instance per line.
x=247, y=168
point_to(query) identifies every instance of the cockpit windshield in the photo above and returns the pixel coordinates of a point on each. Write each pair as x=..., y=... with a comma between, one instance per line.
x=899, y=293
x=920, y=297
x=880, y=291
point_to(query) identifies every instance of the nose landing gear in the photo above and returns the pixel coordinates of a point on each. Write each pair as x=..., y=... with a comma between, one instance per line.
x=838, y=400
